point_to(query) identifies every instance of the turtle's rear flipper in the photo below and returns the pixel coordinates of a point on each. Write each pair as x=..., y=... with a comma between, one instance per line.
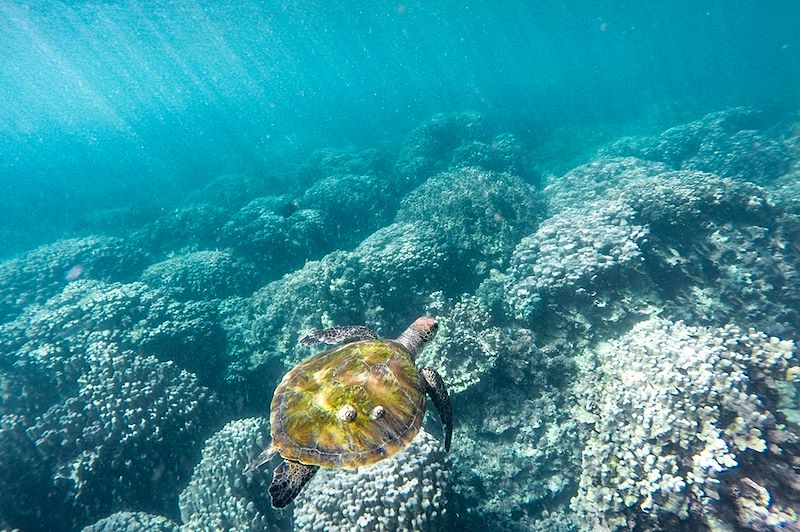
x=287, y=481
x=437, y=391
x=339, y=335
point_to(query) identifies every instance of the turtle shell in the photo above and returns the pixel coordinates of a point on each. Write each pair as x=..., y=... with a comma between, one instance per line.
x=305, y=421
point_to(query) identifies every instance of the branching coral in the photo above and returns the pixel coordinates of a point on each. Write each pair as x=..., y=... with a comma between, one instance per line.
x=576, y=254
x=220, y=496
x=598, y=178
x=124, y=438
x=710, y=249
x=405, y=492
x=718, y=251
x=466, y=347
x=670, y=409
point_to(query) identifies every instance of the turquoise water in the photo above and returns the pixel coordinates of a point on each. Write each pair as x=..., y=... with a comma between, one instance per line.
x=99, y=94
x=598, y=203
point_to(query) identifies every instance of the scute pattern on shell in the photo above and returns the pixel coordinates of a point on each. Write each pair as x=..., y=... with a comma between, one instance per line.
x=365, y=375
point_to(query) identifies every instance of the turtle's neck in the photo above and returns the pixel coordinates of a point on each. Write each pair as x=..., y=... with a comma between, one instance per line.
x=412, y=341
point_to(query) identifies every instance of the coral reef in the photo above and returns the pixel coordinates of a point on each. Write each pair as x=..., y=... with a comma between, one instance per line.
x=575, y=254
x=236, y=315
x=276, y=235
x=670, y=411
x=405, y=492
x=404, y=261
x=482, y=214
x=467, y=346
x=231, y=191
x=727, y=143
x=118, y=221
x=688, y=242
x=133, y=522
x=439, y=243
x=598, y=337
x=320, y=294
x=516, y=460
x=786, y=192
x=43, y=272
x=502, y=153
x=353, y=205
x=597, y=179
x=379, y=283
x=190, y=227
x=513, y=426
x=448, y=141
x=696, y=200
x=429, y=149
x=742, y=155
x=202, y=275
x=219, y=496
x=134, y=315
x=124, y=437
x=719, y=252
x=329, y=162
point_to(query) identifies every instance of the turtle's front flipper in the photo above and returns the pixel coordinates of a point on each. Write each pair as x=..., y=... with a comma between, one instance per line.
x=339, y=335
x=437, y=391
x=287, y=481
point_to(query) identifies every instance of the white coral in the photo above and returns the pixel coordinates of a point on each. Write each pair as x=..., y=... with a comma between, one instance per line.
x=404, y=492
x=220, y=496
x=672, y=408
x=574, y=251
x=467, y=347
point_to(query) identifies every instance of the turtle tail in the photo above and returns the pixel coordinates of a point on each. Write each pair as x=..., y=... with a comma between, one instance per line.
x=287, y=481
x=265, y=456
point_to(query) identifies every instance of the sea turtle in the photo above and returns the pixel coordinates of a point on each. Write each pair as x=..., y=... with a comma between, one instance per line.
x=350, y=406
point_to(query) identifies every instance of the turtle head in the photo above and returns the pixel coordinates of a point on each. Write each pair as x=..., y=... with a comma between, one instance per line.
x=426, y=327
x=418, y=334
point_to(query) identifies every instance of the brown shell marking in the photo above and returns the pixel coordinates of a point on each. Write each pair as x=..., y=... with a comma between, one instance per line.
x=366, y=374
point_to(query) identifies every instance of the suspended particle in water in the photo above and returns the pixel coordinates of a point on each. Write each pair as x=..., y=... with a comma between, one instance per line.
x=74, y=272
